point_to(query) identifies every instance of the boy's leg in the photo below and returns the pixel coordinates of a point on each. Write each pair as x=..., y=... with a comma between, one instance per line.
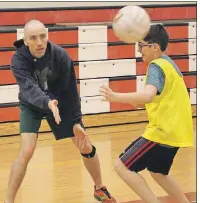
x=29, y=125
x=89, y=155
x=170, y=186
x=136, y=158
x=160, y=172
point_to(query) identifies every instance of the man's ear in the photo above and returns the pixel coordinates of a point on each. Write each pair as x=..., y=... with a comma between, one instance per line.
x=25, y=42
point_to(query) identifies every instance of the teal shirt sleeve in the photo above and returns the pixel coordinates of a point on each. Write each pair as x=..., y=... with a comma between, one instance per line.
x=156, y=77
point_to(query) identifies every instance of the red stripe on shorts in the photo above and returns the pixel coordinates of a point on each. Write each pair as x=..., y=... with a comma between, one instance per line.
x=141, y=154
x=137, y=152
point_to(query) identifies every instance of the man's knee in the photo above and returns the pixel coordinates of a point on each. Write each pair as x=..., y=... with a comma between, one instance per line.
x=90, y=154
x=86, y=149
x=28, y=144
x=26, y=153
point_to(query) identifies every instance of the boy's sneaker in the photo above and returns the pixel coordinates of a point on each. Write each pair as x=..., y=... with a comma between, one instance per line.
x=103, y=195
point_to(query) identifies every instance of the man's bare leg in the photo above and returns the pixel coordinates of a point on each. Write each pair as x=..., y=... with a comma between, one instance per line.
x=18, y=169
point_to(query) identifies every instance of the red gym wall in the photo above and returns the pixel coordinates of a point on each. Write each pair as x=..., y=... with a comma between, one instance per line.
x=99, y=57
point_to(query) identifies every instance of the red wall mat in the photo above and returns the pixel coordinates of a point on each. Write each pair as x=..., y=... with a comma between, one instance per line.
x=172, y=13
x=130, y=85
x=9, y=114
x=5, y=57
x=58, y=37
x=122, y=86
x=73, y=52
x=51, y=17
x=6, y=77
x=7, y=39
x=114, y=52
x=141, y=68
x=12, y=113
x=183, y=64
x=64, y=37
x=111, y=36
x=20, y=18
x=121, y=51
x=76, y=71
x=128, y=51
x=120, y=107
x=177, y=32
x=84, y=16
x=178, y=48
x=97, y=15
x=71, y=36
x=190, y=81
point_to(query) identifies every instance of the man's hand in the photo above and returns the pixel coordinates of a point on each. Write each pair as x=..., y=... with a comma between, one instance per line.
x=53, y=107
x=108, y=94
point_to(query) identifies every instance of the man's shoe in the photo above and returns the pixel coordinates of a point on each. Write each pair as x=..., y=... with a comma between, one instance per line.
x=103, y=195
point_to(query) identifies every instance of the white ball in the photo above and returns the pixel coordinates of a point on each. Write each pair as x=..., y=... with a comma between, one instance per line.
x=131, y=24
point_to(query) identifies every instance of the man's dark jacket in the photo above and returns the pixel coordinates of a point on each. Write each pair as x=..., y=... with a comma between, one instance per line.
x=50, y=77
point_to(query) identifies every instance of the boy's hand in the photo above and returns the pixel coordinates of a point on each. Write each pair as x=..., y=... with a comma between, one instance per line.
x=108, y=94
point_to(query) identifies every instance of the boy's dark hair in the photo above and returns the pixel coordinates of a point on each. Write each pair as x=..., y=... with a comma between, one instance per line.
x=158, y=35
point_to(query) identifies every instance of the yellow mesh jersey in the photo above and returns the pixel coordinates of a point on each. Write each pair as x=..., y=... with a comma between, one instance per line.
x=170, y=113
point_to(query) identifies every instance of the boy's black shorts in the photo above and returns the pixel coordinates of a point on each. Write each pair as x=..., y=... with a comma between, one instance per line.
x=142, y=154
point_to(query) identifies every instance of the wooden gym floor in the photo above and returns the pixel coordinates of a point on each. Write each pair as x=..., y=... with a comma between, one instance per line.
x=56, y=173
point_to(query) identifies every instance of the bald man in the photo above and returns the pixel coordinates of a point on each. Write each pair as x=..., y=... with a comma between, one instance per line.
x=48, y=89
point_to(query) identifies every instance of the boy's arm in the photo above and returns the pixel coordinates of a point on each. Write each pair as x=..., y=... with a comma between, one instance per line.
x=133, y=98
x=154, y=85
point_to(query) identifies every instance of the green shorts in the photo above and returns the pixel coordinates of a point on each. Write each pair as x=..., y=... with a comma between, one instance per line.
x=30, y=122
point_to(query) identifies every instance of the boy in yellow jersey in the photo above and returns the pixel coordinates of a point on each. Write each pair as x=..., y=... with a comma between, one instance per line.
x=170, y=127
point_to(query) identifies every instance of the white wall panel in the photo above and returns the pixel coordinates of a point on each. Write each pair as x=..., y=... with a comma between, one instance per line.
x=95, y=51
x=92, y=34
x=192, y=46
x=9, y=93
x=140, y=83
x=193, y=96
x=108, y=68
x=192, y=63
x=91, y=87
x=192, y=30
x=94, y=105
